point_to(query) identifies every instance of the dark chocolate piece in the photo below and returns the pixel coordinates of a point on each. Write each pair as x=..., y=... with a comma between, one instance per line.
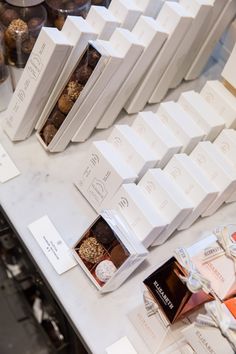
x=93, y=57
x=56, y=118
x=49, y=131
x=103, y=232
x=8, y=16
x=118, y=255
x=83, y=73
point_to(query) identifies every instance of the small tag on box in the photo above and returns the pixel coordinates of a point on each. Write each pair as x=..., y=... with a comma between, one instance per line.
x=8, y=169
x=52, y=244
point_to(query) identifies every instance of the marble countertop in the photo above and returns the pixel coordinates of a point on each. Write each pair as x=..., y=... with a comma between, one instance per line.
x=45, y=186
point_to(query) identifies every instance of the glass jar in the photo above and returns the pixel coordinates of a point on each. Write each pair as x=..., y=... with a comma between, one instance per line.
x=58, y=10
x=22, y=25
x=105, y=3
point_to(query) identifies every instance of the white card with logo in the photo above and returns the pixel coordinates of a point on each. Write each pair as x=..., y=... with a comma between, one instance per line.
x=52, y=244
x=8, y=169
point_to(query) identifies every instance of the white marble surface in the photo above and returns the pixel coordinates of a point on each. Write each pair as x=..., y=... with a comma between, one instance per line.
x=45, y=186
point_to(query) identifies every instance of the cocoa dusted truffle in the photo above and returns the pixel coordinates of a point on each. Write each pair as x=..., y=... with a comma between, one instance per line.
x=118, y=255
x=8, y=16
x=17, y=30
x=103, y=232
x=93, y=58
x=83, y=73
x=91, y=250
x=56, y=118
x=105, y=270
x=49, y=131
x=65, y=103
x=74, y=89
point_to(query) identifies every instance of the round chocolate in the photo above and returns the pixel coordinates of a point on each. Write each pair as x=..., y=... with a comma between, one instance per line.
x=74, y=89
x=118, y=255
x=34, y=24
x=91, y=250
x=93, y=58
x=103, y=232
x=105, y=270
x=49, y=131
x=65, y=103
x=9, y=15
x=16, y=31
x=59, y=22
x=83, y=73
x=56, y=118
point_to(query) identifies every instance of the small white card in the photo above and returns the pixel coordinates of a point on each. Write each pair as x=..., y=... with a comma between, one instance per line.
x=8, y=169
x=123, y=345
x=52, y=244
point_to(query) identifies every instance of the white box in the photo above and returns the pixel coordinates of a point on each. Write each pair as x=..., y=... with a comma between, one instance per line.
x=15, y=75
x=102, y=21
x=101, y=174
x=220, y=172
x=126, y=11
x=175, y=21
x=108, y=277
x=129, y=48
x=228, y=72
x=226, y=142
x=157, y=136
x=226, y=16
x=194, y=183
x=6, y=92
x=144, y=221
x=107, y=66
x=217, y=95
x=152, y=38
x=167, y=198
x=78, y=32
x=202, y=113
x=36, y=83
x=182, y=126
x=132, y=149
x=149, y=7
x=200, y=11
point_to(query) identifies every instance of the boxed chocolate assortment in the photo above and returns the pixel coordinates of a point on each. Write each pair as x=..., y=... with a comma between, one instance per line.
x=108, y=251
x=93, y=72
x=177, y=287
x=40, y=74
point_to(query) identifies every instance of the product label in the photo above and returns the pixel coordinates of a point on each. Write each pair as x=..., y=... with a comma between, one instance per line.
x=8, y=169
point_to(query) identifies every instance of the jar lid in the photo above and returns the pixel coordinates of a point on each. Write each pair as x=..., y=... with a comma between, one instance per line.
x=24, y=3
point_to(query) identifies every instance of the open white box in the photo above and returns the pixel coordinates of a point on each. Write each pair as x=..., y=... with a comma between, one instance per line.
x=157, y=136
x=126, y=12
x=196, y=186
x=200, y=10
x=134, y=151
x=223, y=101
x=79, y=32
x=114, y=227
x=112, y=62
x=223, y=19
x=102, y=21
x=202, y=113
x=101, y=174
x=213, y=163
x=143, y=219
x=175, y=21
x=182, y=126
x=152, y=38
x=129, y=48
x=228, y=72
x=36, y=83
x=167, y=198
x=226, y=142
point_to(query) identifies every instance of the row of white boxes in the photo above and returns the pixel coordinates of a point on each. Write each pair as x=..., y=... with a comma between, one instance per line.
x=172, y=189
x=132, y=60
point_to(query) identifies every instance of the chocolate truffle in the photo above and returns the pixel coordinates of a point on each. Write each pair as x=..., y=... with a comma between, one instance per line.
x=93, y=58
x=74, y=89
x=49, y=131
x=105, y=270
x=8, y=16
x=57, y=118
x=17, y=30
x=118, y=255
x=103, y=232
x=59, y=22
x=65, y=103
x=28, y=45
x=83, y=73
x=34, y=24
x=91, y=250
